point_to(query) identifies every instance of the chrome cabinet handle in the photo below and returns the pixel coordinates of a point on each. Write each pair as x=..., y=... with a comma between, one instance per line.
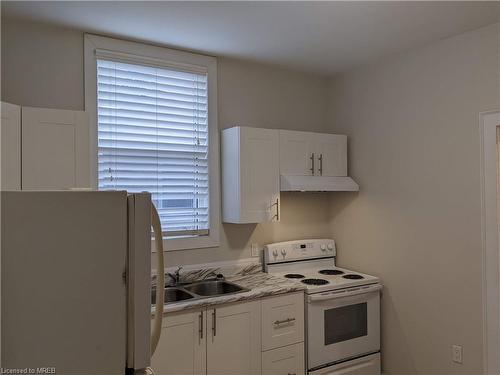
x=201, y=326
x=320, y=164
x=277, y=204
x=287, y=320
x=214, y=323
x=312, y=164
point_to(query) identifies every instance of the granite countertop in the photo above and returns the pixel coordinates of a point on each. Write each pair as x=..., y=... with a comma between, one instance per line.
x=260, y=284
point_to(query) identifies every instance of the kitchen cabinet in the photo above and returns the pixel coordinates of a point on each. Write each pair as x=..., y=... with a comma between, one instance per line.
x=11, y=146
x=182, y=346
x=224, y=340
x=282, y=320
x=296, y=153
x=368, y=365
x=288, y=360
x=250, y=175
x=331, y=154
x=312, y=154
x=55, y=149
x=234, y=343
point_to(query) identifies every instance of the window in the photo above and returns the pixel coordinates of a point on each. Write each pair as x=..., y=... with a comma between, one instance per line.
x=154, y=132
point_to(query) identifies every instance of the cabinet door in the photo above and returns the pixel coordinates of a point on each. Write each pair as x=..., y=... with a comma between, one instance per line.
x=297, y=154
x=55, y=149
x=182, y=346
x=259, y=184
x=288, y=360
x=282, y=320
x=369, y=365
x=331, y=154
x=11, y=146
x=233, y=345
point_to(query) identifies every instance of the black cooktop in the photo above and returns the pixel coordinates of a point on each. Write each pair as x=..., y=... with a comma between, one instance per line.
x=353, y=277
x=315, y=281
x=294, y=276
x=331, y=272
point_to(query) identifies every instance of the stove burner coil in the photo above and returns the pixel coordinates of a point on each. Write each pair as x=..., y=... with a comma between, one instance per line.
x=331, y=272
x=315, y=281
x=353, y=277
x=294, y=276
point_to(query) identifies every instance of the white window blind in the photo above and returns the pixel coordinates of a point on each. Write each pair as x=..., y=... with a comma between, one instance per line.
x=153, y=136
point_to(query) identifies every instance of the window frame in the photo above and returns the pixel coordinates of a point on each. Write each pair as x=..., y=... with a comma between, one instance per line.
x=155, y=55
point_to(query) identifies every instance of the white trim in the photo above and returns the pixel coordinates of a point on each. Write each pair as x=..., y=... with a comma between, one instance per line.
x=149, y=61
x=127, y=49
x=490, y=255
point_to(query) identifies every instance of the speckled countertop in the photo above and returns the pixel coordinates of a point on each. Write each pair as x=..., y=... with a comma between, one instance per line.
x=260, y=285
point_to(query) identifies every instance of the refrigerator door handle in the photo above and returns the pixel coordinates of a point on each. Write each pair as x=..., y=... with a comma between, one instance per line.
x=160, y=278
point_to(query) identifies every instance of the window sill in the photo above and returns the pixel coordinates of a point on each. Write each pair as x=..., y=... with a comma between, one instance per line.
x=188, y=243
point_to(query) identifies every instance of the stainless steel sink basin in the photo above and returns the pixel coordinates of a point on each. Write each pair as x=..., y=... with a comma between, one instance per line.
x=214, y=288
x=198, y=290
x=172, y=295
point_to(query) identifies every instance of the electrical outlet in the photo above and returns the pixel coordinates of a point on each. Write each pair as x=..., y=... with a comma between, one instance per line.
x=255, y=249
x=456, y=353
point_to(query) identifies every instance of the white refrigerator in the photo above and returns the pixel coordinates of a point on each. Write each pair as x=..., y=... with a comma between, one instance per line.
x=76, y=281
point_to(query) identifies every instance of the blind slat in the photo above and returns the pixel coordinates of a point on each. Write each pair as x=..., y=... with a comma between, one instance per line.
x=153, y=136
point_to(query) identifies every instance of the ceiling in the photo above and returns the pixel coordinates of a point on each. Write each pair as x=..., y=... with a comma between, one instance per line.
x=321, y=37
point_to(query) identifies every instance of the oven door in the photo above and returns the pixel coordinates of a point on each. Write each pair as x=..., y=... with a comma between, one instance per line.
x=343, y=324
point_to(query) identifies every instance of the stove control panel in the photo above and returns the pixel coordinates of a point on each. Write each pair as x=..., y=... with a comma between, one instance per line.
x=280, y=252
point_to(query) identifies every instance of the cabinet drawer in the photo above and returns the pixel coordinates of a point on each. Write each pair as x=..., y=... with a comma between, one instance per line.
x=288, y=360
x=369, y=365
x=282, y=320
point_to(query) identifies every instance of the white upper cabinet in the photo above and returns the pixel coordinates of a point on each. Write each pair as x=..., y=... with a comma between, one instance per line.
x=250, y=178
x=254, y=160
x=55, y=149
x=11, y=146
x=312, y=154
x=331, y=154
x=296, y=153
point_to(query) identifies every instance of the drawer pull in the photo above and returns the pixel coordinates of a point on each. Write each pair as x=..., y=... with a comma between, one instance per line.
x=214, y=323
x=284, y=321
x=291, y=373
x=200, y=331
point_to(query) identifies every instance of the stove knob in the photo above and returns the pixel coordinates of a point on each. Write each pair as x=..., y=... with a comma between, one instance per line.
x=283, y=252
x=323, y=247
x=275, y=253
x=330, y=246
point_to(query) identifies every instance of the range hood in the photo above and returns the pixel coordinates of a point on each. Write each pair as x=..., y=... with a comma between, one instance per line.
x=317, y=183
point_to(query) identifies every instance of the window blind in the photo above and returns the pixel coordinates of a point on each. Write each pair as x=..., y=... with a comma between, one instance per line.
x=153, y=136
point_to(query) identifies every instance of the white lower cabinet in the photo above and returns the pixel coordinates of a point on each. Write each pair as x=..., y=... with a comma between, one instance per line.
x=282, y=320
x=288, y=360
x=182, y=346
x=233, y=344
x=369, y=365
x=283, y=335
x=223, y=340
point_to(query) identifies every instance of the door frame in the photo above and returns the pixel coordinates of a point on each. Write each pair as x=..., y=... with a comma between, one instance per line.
x=488, y=123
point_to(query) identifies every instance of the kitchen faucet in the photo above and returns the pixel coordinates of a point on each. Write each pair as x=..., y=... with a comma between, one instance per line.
x=176, y=277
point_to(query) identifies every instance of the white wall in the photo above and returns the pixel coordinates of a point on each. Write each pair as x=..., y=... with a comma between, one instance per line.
x=42, y=66
x=414, y=148
x=412, y=122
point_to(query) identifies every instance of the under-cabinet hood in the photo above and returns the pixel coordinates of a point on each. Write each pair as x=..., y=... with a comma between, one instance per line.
x=317, y=183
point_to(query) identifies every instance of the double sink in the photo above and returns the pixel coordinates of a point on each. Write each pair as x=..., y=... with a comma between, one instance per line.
x=197, y=290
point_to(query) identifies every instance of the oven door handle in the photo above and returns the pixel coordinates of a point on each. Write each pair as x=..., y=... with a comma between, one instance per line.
x=345, y=293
